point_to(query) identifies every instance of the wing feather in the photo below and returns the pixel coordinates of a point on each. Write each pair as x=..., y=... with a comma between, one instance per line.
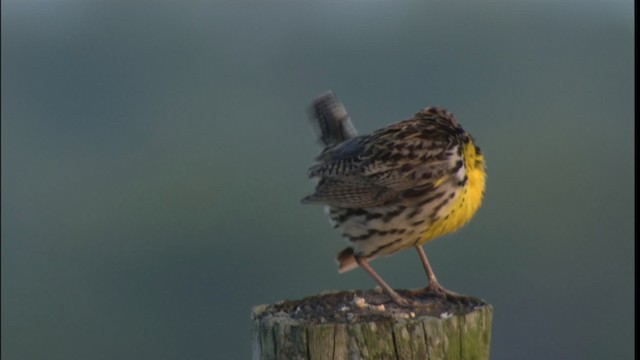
x=372, y=170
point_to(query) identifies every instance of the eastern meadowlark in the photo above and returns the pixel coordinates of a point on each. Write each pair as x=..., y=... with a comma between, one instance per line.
x=399, y=187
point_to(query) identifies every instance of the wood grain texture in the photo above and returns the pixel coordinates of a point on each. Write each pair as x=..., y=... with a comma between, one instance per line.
x=337, y=326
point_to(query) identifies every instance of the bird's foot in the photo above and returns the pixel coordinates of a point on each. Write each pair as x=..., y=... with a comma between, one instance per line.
x=399, y=300
x=402, y=301
x=448, y=295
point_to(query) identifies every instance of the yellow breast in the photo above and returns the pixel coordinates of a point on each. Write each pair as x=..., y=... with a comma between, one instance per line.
x=468, y=197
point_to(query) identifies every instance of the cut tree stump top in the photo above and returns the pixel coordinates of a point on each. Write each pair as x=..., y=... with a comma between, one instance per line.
x=339, y=325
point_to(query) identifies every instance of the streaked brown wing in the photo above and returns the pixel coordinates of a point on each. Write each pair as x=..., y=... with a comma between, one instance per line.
x=387, y=165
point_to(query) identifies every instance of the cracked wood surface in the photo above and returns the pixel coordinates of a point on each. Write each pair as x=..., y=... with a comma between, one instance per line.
x=365, y=325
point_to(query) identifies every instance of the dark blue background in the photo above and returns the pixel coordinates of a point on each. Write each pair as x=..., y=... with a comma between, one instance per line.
x=154, y=154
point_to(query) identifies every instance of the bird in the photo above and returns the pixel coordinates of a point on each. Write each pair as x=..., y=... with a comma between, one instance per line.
x=395, y=188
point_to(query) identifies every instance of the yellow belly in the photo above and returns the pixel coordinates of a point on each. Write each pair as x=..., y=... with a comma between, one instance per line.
x=466, y=202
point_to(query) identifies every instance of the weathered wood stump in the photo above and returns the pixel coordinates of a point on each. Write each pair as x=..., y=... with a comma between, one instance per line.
x=366, y=325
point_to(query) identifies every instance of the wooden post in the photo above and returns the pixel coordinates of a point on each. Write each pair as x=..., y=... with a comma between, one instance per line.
x=366, y=325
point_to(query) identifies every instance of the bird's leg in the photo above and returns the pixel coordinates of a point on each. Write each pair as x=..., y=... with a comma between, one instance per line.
x=434, y=285
x=364, y=264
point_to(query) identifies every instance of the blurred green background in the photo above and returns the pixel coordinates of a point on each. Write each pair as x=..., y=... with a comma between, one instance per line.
x=154, y=155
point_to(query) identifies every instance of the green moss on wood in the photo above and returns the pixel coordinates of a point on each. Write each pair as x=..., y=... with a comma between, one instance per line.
x=278, y=333
x=321, y=341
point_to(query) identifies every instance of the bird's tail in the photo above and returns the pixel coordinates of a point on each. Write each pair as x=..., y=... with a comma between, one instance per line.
x=332, y=119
